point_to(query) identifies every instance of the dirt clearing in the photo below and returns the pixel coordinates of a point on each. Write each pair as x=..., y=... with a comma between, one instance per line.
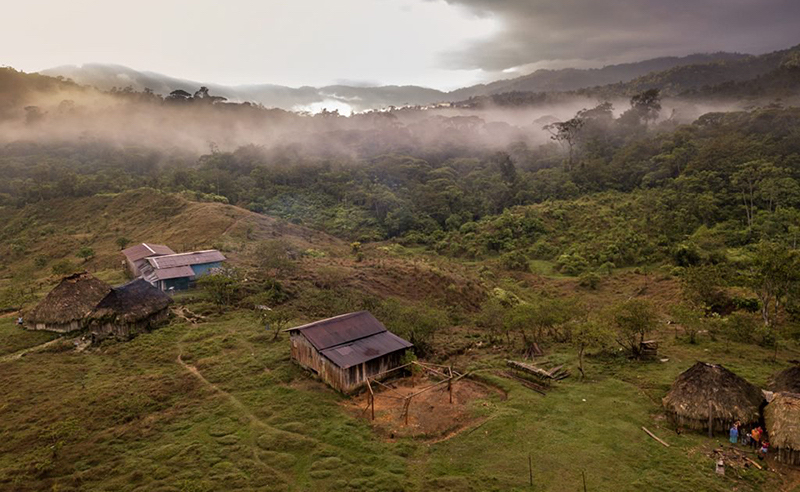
x=430, y=414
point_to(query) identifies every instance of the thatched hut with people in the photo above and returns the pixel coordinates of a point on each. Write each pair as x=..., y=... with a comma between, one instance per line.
x=66, y=307
x=782, y=417
x=711, y=393
x=786, y=381
x=129, y=310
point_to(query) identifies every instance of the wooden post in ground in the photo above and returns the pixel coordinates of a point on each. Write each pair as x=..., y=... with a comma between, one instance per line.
x=710, y=420
x=371, y=398
x=530, y=469
x=450, y=383
x=583, y=474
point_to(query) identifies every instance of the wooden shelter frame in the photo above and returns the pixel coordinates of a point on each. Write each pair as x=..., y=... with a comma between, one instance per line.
x=446, y=372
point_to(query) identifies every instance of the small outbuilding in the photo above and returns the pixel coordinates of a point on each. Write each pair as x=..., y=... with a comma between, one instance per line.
x=129, y=310
x=782, y=417
x=710, y=392
x=787, y=381
x=136, y=256
x=67, y=306
x=346, y=350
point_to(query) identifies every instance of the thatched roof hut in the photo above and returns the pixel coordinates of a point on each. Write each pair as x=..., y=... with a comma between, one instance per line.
x=710, y=388
x=128, y=310
x=65, y=308
x=782, y=417
x=786, y=381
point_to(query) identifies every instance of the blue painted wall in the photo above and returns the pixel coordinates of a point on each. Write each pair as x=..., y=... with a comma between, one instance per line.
x=203, y=268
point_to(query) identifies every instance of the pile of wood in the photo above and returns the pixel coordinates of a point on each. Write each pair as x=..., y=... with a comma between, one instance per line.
x=555, y=374
x=649, y=349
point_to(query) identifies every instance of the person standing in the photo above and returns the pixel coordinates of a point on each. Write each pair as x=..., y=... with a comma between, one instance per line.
x=756, y=435
x=734, y=433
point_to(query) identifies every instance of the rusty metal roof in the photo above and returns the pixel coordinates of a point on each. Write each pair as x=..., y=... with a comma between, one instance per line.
x=353, y=338
x=141, y=251
x=175, y=272
x=351, y=354
x=186, y=259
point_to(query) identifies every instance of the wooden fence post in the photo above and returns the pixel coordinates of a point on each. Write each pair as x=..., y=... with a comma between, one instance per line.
x=710, y=420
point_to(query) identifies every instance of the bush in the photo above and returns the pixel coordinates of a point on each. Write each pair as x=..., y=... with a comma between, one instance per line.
x=571, y=264
x=63, y=267
x=589, y=280
x=740, y=327
x=516, y=261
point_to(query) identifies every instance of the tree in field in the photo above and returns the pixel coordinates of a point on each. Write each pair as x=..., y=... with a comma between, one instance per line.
x=276, y=321
x=690, y=318
x=566, y=133
x=586, y=335
x=123, y=242
x=85, y=253
x=773, y=274
x=632, y=320
x=223, y=286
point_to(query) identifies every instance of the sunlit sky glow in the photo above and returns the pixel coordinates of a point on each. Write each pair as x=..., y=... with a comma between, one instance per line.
x=436, y=43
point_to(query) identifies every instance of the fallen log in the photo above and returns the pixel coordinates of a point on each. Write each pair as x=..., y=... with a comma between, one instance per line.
x=530, y=369
x=753, y=462
x=654, y=436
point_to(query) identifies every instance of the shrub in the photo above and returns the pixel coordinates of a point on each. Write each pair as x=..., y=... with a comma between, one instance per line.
x=589, y=280
x=63, y=267
x=515, y=260
x=571, y=264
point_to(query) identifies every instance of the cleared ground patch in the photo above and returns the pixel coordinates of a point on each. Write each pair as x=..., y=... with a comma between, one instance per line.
x=431, y=415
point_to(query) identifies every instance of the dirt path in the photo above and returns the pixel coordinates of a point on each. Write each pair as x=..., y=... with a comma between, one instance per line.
x=232, y=399
x=35, y=348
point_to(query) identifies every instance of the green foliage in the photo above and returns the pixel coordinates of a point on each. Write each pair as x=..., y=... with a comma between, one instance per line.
x=417, y=324
x=123, y=242
x=223, y=287
x=85, y=253
x=590, y=280
x=515, y=260
x=63, y=267
x=631, y=321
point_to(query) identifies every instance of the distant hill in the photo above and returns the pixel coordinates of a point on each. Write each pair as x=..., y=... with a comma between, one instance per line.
x=768, y=76
x=570, y=79
x=105, y=77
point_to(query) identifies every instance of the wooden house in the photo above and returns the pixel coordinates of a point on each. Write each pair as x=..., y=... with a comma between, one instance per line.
x=179, y=271
x=136, y=256
x=345, y=350
x=128, y=310
x=67, y=306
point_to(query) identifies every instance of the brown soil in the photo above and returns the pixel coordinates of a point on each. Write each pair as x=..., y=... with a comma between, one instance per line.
x=430, y=414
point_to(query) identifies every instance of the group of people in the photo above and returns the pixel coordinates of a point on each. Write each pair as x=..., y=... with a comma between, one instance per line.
x=755, y=439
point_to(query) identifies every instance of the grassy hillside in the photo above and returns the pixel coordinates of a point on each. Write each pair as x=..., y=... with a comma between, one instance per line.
x=217, y=403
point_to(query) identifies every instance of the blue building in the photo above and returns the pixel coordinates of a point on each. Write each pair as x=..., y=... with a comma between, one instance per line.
x=179, y=271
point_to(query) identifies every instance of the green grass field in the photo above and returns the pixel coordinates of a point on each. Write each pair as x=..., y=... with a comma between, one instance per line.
x=130, y=416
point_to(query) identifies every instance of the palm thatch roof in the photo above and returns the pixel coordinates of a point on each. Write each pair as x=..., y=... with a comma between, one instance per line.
x=71, y=300
x=782, y=417
x=787, y=381
x=703, y=385
x=132, y=302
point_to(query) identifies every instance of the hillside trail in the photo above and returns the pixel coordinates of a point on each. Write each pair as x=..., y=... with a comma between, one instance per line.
x=35, y=348
x=231, y=398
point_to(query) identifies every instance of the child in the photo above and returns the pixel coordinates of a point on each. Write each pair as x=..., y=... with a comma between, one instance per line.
x=746, y=439
x=762, y=453
x=734, y=433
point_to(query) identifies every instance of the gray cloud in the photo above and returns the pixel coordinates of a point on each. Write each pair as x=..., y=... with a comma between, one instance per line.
x=547, y=31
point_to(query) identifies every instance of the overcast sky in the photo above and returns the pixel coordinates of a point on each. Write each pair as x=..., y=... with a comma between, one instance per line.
x=436, y=43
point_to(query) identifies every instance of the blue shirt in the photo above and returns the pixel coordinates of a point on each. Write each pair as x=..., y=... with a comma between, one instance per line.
x=734, y=432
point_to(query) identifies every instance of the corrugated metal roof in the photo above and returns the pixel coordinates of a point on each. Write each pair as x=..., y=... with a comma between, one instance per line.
x=186, y=259
x=365, y=349
x=175, y=272
x=350, y=339
x=144, y=250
